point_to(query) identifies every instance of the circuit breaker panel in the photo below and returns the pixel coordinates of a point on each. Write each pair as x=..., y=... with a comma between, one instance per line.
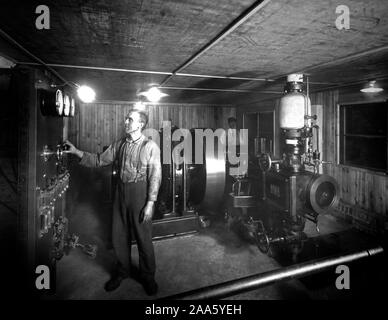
x=45, y=110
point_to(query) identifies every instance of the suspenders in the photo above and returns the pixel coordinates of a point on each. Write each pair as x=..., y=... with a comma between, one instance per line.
x=138, y=163
x=120, y=157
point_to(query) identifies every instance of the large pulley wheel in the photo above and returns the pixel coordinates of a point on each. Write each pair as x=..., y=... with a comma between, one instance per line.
x=323, y=193
x=262, y=239
x=262, y=242
x=265, y=162
x=206, y=181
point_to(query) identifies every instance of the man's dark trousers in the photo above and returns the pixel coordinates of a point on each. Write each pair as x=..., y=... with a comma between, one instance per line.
x=130, y=199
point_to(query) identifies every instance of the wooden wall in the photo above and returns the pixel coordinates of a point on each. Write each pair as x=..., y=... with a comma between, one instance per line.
x=98, y=124
x=366, y=189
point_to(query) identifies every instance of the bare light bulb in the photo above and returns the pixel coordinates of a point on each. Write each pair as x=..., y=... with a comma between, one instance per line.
x=372, y=88
x=86, y=94
x=153, y=94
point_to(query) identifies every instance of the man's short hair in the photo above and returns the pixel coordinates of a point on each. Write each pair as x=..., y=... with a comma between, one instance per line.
x=143, y=116
x=232, y=119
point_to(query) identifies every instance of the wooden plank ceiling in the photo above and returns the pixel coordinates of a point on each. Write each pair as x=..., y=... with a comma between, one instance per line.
x=160, y=35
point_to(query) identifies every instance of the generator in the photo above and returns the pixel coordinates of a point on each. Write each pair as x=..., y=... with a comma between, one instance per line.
x=189, y=191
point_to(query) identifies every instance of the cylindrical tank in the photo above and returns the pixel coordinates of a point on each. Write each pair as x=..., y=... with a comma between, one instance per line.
x=294, y=105
x=292, y=110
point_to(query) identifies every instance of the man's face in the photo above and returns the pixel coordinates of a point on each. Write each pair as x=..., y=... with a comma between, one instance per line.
x=133, y=123
x=232, y=125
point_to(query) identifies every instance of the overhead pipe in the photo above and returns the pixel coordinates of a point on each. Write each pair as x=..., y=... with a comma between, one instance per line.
x=333, y=87
x=258, y=5
x=71, y=66
x=222, y=77
x=350, y=84
x=257, y=281
x=58, y=65
x=30, y=54
x=337, y=61
x=192, y=75
x=220, y=90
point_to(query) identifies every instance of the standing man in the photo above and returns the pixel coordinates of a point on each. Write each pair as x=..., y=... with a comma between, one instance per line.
x=231, y=140
x=231, y=136
x=139, y=169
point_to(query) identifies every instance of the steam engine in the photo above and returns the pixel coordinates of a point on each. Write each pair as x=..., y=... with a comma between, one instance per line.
x=292, y=189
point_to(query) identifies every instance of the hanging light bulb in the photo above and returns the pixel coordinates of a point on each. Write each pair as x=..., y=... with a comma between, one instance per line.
x=86, y=94
x=153, y=94
x=372, y=88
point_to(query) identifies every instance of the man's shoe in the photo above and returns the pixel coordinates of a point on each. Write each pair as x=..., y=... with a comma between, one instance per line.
x=150, y=287
x=113, y=283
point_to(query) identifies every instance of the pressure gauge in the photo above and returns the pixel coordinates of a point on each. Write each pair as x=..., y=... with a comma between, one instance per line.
x=66, y=106
x=59, y=102
x=72, y=107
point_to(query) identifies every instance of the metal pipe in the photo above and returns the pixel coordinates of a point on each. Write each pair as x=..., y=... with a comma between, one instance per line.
x=71, y=66
x=34, y=57
x=333, y=87
x=221, y=90
x=258, y=5
x=190, y=75
x=222, y=77
x=350, y=84
x=338, y=61
x=241, y=285
x=173, y=170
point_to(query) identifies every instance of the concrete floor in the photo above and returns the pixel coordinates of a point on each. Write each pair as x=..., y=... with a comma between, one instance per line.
x=211, y=256
x=183, y=263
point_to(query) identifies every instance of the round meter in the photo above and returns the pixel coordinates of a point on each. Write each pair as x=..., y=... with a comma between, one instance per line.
x=59, y=102
x=66, y=106
x=72, y=107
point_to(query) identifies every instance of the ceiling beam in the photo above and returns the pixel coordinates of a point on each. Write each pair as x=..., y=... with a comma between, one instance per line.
x=258, y=5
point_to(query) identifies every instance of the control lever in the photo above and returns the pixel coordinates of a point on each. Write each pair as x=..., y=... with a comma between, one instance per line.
x=89, y=249
x=58, y=152
x=63, y=243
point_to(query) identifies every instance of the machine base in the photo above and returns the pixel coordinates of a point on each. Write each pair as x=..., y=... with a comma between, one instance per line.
x=169, y=227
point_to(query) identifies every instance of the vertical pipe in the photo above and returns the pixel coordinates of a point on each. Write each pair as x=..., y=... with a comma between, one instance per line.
x=173, y=185
x=184, y=171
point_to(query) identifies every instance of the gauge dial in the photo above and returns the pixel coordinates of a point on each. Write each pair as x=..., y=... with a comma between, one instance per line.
x=66, y=106
x=59, y=102
x=72, y=107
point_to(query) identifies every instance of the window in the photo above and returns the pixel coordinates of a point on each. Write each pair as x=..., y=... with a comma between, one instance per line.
x=363, y=135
